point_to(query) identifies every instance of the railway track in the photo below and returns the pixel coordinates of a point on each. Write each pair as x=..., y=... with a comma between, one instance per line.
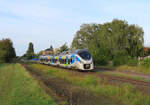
x=127, y=80
x=111, y=77
x=140, y=84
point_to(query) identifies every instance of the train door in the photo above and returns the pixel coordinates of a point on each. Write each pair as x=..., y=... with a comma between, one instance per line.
x=66, y=61
x=73, y=63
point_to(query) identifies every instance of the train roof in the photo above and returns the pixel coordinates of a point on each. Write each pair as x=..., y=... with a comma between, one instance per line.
x=67, y=52
x=80, y=50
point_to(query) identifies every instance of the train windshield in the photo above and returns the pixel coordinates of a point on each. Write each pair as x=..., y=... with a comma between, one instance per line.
x=85, y=55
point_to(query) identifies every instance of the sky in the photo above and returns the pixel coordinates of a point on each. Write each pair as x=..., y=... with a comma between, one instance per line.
x=54, y=22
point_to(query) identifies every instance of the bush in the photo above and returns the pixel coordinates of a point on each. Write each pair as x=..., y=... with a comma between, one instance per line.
x=101, y=57
x=145, y=62
x=132, y=61
x=120, y=59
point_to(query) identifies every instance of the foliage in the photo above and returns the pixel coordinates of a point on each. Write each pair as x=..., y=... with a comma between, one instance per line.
x=145, y=62
x=7, y=51
x=30, y=51
x=38, y=54
x=120, y=58
x=104, y=41
x=57, y=50
x=51, y=48
x=146, y=51
x=64, y=47
x=132, y=61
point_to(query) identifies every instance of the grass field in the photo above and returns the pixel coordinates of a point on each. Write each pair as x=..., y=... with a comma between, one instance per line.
x=115, y=95
x=140, y=69
x=17, y=87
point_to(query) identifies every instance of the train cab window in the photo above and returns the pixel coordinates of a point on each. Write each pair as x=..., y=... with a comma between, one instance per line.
x=85, y=54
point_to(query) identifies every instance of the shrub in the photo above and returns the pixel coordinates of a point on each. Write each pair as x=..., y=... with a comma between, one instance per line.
x=145, y=62
x=132, y=61
x=120, y=59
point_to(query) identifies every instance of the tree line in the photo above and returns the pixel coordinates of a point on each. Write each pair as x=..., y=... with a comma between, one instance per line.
x=30, y=54
x=115, y=42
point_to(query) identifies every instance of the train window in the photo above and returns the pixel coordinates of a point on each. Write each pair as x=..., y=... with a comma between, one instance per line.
x=85, y=55
x=69, y=61
x=61, y=61
x=54, y=60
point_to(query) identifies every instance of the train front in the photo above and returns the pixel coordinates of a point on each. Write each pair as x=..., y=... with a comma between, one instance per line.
x=84, y=60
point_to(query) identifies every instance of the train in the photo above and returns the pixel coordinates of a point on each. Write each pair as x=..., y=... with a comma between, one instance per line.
x=79, y=59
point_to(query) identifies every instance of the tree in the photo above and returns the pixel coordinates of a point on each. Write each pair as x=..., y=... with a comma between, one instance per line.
x=30, y=48
x=84, y=36
x=39, y=53
x=51, y=48
x=110, y=40
x=57, y=50
x=64, y=47
x=30, y=51
x=7, y=51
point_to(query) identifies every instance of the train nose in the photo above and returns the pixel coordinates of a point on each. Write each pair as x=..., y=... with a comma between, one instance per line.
x=87, y=66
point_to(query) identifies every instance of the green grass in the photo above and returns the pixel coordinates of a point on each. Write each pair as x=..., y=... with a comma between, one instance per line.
x=17, y=87
x=126, y=94
x=140, y=69
x=124, y=75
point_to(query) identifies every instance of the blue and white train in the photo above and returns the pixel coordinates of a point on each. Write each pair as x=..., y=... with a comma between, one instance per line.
x=79, y=59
